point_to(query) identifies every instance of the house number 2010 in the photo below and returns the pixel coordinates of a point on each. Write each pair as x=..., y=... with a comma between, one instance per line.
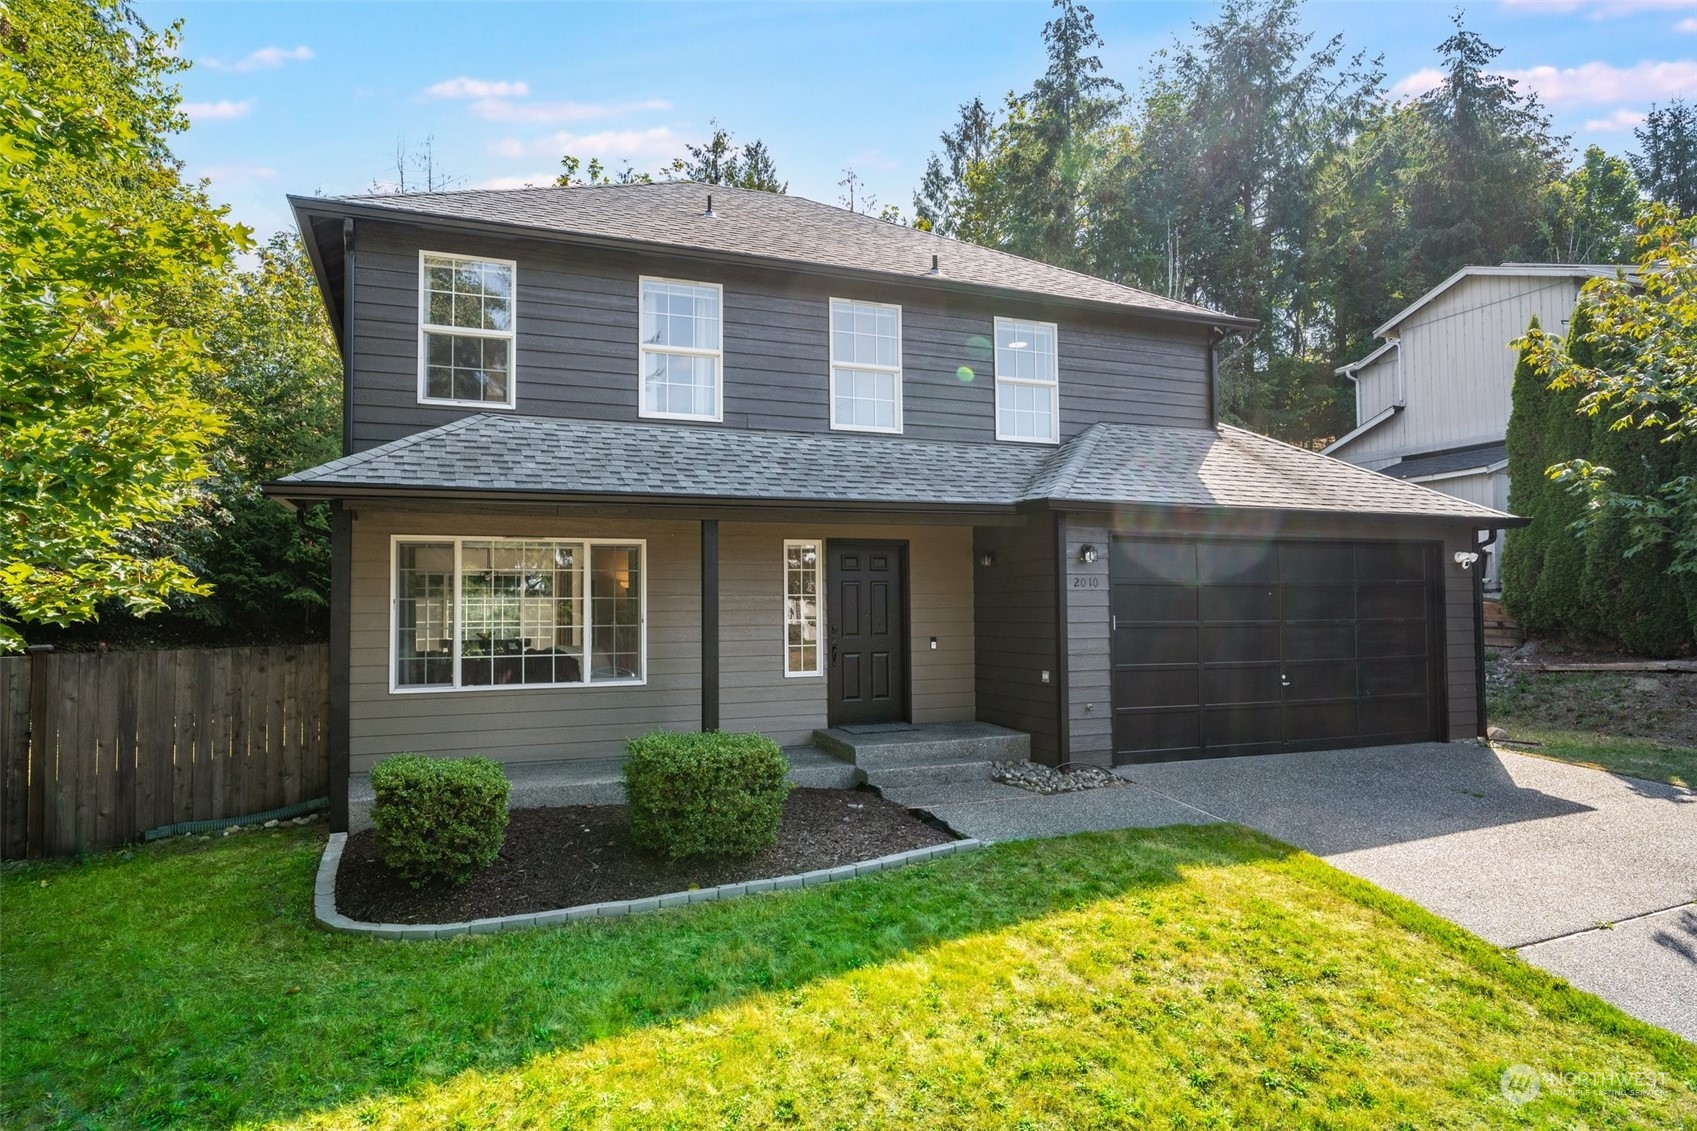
x=1087, y=583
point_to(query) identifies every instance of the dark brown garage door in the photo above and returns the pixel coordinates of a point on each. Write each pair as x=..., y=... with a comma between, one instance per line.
x=1228, y=648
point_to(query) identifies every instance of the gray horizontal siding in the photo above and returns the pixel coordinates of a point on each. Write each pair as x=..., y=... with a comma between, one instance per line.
x=576, y=349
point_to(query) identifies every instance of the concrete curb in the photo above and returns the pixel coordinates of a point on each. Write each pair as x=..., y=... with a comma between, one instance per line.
x=324, y=896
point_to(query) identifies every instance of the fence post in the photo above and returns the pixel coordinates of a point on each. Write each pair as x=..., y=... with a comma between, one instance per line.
x=40, y=743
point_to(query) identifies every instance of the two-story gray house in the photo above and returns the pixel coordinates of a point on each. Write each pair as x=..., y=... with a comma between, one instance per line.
x=679, y=456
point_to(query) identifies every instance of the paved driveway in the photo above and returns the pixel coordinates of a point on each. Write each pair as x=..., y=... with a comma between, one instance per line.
x=1587, y=874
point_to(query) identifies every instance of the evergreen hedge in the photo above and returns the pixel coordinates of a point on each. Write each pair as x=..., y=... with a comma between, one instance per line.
x=710, y=794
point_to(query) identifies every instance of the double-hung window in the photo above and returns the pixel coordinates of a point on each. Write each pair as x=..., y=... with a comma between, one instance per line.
x=508, y=612
x=1027, y=382
x=802, y=560
x=465, y=317
x=682, y=350
x=866, y=366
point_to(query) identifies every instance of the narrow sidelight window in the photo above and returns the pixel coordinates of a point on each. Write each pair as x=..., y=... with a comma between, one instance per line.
x=866, y=366
x=465, y=331
x=681, y=350
x=801, y=608
x=1027, y=382
x=511, y=612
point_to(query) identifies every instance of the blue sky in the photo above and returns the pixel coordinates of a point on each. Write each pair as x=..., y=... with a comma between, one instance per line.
x=307, y=97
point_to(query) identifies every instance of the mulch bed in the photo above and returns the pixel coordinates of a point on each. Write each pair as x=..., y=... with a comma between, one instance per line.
x=577, y=854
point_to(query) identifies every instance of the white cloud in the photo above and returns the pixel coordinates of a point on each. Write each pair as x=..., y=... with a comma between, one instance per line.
x=223, y=110
x=1427, y=78
x=615, y=145
x=1602, y=83
x=554, y=113
x=238, y=172
x=464, y=87
x=1689, y=26
x=1621, y=119
x=264, y=59
x=1600, y=9
x=529, y=180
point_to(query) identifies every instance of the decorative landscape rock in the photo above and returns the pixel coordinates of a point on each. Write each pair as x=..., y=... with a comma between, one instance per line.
x=1039, y=778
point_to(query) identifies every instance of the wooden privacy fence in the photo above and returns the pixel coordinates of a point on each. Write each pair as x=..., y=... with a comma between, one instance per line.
x=97, y=748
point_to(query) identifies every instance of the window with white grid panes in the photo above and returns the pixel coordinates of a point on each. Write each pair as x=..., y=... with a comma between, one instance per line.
x=801, y=607
x=681, y=347
x=466, y=331
x=866, y=366
x=1027, y=381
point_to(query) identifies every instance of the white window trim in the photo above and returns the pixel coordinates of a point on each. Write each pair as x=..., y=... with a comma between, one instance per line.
x=895, y=370
x=455, y=688
x=643, y=350
x=784, y=610
x=425, y=327
x=1054, y=386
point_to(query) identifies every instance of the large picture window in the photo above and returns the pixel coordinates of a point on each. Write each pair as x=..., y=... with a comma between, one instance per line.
x=801, y=607
x=866, y=366
x=465, y=331
x=681, y=347
x=504, y=612
x=1027, y=382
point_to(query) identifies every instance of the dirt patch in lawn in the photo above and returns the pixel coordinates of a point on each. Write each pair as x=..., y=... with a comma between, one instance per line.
x=579, y=854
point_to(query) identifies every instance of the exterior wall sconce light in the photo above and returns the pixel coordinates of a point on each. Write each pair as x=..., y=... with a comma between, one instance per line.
x=987, y=558
x=1087, y=553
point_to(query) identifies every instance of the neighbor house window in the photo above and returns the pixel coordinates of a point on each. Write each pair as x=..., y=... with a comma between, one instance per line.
x=866, y=366
x=1027, y=382
x=801, y=608
x=465, y=331
x=681, y=347
x=505, y=612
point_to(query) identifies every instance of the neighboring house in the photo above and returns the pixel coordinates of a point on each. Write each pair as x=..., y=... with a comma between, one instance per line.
x=683, y=457
x=1432, y=403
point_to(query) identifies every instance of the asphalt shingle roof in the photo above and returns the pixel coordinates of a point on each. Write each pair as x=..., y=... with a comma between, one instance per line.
x=1456, y=459
x=1107, y=463
x=765, y=225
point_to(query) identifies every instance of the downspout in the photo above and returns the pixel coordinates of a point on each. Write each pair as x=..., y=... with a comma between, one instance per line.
x=1215, y=336
x=1478, y=619
x=347, y=336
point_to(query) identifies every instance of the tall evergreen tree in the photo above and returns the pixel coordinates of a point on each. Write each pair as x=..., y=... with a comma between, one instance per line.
x=1667, y=161
x=1561, y=600
x=1524, y=547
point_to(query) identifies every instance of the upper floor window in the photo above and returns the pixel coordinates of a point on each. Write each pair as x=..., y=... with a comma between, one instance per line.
x=681, y=347
x=866, y=366
x=1027, y=382
x=465, y=330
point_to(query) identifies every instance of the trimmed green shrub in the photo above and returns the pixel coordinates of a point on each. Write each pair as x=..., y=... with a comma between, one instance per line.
x=710, y=794
x=438, y=818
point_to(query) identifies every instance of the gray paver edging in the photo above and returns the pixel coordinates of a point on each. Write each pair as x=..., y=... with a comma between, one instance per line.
x=324, y=896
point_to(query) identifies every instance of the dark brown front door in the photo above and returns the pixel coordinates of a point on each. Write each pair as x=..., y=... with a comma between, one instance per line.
x=865, y=608
x=1231, y=648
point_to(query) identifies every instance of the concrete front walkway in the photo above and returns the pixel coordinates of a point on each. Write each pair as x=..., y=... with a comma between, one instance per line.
x=1589, y=875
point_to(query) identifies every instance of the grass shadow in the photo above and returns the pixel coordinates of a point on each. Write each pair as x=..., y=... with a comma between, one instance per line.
x=187, y=985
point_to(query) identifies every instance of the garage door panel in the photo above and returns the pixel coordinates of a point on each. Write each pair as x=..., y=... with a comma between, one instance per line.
x=1158, y=687
x=1149, y=602
x=1153, y=561
x=1405, y=601
x=1320, y=603
x=1157, y=644
x=1240, y=643
x=1319, y=641
x=1325, y=679
x=1239, y=602
x=1240, y=562
x=1241, y=683
x=1224, y=649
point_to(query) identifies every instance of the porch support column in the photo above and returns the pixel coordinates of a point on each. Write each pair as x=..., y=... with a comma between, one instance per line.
x=709, y=624
x=341, y=623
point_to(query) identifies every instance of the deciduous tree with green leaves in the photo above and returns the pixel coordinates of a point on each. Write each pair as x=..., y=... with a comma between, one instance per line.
x=106, y=257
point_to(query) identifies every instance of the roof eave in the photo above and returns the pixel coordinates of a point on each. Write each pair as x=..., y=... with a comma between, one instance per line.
x=307, y=205
x=1493, y=520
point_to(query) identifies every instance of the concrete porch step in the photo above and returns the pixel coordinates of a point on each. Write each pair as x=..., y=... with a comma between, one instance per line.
x=915, y=778
x=934, y=744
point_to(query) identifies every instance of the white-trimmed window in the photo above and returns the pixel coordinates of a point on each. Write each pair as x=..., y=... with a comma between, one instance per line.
x=465, y=319
x=802, y=559
x=1028, y=398
x=682, y=346
x=866, y=366
x=516, y=612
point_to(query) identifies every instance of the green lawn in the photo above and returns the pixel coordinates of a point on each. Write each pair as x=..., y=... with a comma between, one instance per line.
x=1641, y=725
x=1183, y=977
